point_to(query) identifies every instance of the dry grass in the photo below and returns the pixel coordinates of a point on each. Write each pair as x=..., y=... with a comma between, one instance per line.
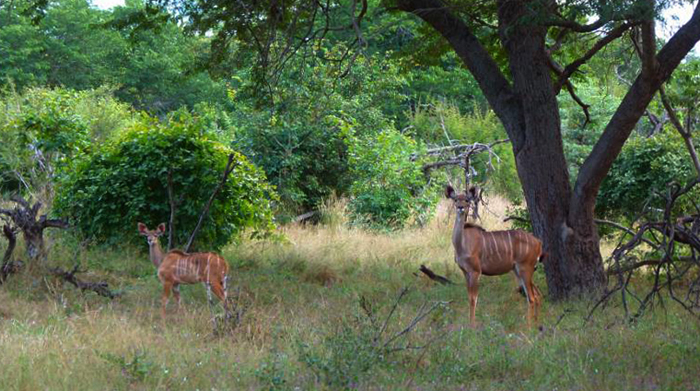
x=305, y=329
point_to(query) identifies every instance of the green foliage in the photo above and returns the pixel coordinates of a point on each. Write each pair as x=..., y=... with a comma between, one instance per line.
x=579, y=140
x=344, y=357
x=73, y=45
x=684, y=92
x=271, y=372
x=43, y=129
x=645, y=166
x=390, y=189
x=299, y=138
x=135, y=369
x=124, y=181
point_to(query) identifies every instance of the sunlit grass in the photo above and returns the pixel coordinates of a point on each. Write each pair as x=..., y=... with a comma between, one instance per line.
x=305, y=329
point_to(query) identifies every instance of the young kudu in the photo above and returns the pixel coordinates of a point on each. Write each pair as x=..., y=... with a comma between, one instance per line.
x=494, y=253
x=176, y=267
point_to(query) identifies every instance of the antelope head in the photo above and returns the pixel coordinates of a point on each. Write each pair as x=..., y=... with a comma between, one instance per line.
x=462, y=201
x=155, y=251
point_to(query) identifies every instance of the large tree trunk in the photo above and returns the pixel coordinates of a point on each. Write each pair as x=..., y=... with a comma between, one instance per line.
x=574, y=265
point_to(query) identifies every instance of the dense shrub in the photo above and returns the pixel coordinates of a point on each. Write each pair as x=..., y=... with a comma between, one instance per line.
x=645, y=166
x=42, y=129
x=298, y=136
x=107, y=192
x=390, y=189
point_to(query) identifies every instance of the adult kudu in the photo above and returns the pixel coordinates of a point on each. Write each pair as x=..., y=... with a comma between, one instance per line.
x=494, y=253
x=176, y=267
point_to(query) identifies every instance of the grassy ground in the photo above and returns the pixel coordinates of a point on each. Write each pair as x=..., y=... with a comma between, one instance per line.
x=307, y=326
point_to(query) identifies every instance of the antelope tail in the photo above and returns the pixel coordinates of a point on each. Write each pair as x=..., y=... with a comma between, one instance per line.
x=542, y=257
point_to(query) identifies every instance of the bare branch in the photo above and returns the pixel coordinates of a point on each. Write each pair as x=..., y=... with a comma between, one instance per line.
x=640, y=264
x=422, y=313
x=403, y=293
x=600, y=44
x=685, y=133
x=584, y=106
x=227, y=171
x=52, y=223
x=477, y=147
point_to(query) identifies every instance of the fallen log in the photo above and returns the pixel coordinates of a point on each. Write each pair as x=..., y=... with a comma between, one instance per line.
x=101, y=288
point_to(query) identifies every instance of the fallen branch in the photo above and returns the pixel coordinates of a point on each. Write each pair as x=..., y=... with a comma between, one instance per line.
x=442, y=280
x=305, y=216
x=101, y=288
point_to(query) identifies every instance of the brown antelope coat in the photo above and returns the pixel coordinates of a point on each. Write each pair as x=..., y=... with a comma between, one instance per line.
x=176, y=267
x=478, y=252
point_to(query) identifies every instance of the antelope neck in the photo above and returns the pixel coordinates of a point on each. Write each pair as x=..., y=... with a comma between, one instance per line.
x=460, y=241
x=155, y=253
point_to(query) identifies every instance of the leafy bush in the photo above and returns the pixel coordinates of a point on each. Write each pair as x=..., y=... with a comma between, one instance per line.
x=42, y=129
x=645, y=166
x=107, y=192
x=389, y=189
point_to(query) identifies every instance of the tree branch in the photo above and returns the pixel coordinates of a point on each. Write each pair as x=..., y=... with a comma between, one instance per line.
x=648, y=55
x=8, y=267
x=685, y=133
x=584, y=106
x=435, y=277
x=481, y=65
x=599, y=45
x=553, y=65
x=52, y=223
x=229, y=168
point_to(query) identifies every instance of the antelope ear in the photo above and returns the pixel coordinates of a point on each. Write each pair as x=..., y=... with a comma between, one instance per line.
x=449, y=192
x=472, y=191
x=161, y=228
x=142, y=228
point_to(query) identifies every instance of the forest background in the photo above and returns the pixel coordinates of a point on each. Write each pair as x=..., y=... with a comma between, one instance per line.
x=98, y=114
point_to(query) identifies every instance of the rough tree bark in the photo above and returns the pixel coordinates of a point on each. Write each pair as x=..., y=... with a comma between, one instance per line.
x=527, y=106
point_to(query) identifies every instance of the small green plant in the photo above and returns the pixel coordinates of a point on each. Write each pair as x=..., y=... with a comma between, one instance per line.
x=344, y=357
x=364, y=342
x=271, y=372
x=135, y=369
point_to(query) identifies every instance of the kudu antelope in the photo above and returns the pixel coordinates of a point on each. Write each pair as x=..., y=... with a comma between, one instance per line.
x=176, y=267
x=494, y=253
